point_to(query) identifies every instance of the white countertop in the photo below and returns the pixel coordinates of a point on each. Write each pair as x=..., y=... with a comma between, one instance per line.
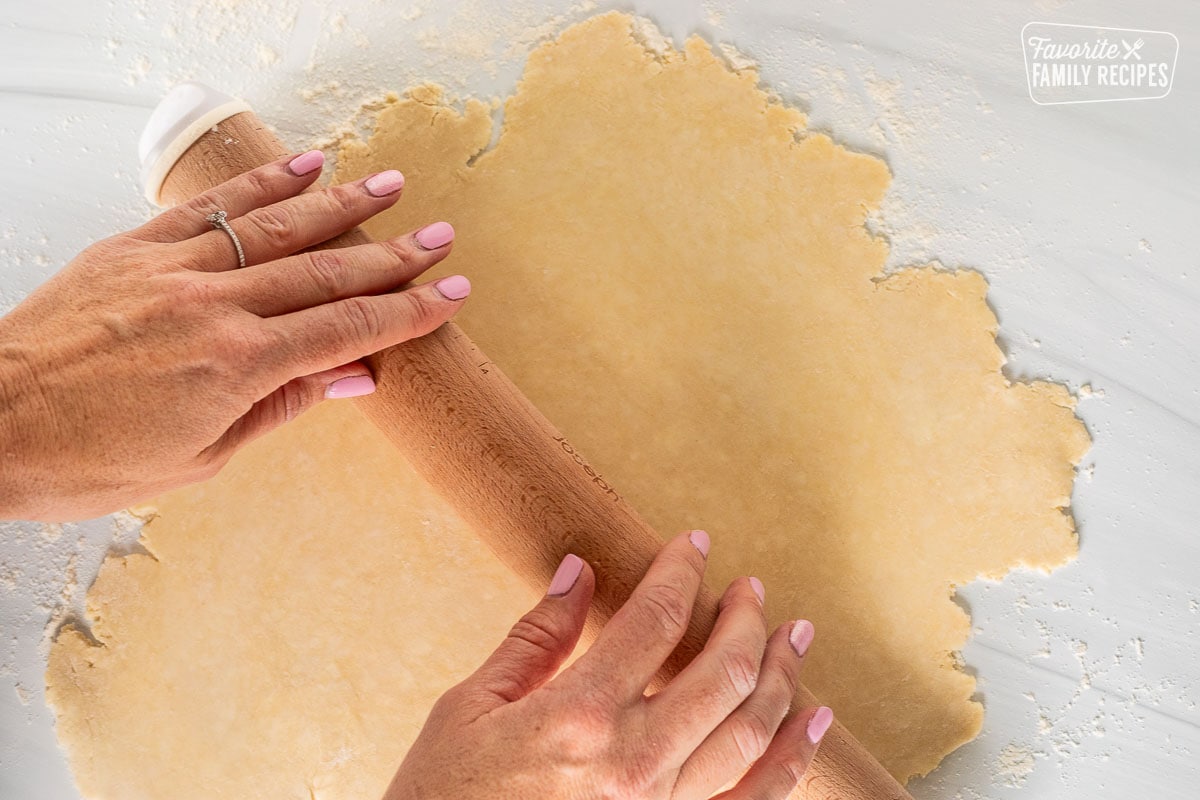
x=1078, y=215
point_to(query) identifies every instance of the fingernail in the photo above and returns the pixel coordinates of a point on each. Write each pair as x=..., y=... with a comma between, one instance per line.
x=801, y=636
x=431, y=237
x=565, y=576
x=384, y=183
x=700, y=541
x=306, y=162
x=822, y=718
x=350, y=387
x=456, y=287
x=757, y=586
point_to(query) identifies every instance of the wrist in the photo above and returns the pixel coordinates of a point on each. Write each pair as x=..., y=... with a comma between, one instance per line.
x=18, y=394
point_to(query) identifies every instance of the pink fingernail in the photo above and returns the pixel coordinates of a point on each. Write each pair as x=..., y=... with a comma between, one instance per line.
x=565, y=576
x=384, y=183
x=431, y=237
x=350, y=387
x=801, y=636
x=456, y=287
x=700, y=541
x=306, y=162
x=822, y=718
x=759, y=590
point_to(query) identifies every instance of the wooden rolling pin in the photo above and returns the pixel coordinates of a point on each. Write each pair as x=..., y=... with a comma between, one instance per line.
x=483, y=446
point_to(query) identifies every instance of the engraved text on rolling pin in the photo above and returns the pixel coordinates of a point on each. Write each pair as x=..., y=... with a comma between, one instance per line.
x=596, y=477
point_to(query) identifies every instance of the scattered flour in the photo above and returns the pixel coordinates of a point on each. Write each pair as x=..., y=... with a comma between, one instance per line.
x=1014, y=765
x=139, y=68
x=1139, y=647
x=267, y=56
x=736, y=59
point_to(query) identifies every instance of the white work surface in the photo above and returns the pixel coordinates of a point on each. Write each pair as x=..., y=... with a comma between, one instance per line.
x=1079, y=216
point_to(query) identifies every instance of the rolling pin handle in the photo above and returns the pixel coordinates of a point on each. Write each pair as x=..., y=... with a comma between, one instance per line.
x=180, y=118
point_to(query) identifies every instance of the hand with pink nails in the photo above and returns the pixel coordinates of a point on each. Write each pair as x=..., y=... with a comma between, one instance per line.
x=521, y=730
x=152, y=357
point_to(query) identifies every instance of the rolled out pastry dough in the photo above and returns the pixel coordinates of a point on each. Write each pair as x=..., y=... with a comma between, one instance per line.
x=678, y=275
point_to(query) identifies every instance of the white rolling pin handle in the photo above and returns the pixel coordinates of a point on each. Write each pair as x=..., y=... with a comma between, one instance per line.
x=183, y=115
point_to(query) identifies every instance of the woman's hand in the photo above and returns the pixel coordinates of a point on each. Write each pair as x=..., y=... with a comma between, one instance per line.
x=150, y=359
x=516, y=731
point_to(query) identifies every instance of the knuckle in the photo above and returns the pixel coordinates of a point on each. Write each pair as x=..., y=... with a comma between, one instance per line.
x=327, y=271
x=539, y=629
x=258, y=183
x=398, y=251
x=739, y=668
x=261, y=343
x=420, y=310
x=591, y=718
x=231, y=342
x=789, y=678
x=362, y=319
x=240, y=351
x=449, y=703
x=751, y=734
x=276, y=225
x=791, y=770
x=579, y=736
x=343, y=201
x=177, y=302
x=274, y=406
x=594, y=704
x=295, y=397
x=111, y=246
x=667, y=607
x=191, y=289
x=641, y=771
x=204, y=203
x=622, y=784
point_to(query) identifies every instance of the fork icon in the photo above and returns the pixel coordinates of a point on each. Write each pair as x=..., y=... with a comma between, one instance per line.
x=1132, y=50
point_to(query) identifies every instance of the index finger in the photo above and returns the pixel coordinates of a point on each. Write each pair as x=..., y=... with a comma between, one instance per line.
x=270, y=183
x=637, y=640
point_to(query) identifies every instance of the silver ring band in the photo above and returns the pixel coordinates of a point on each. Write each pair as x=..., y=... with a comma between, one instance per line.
x=220, y=221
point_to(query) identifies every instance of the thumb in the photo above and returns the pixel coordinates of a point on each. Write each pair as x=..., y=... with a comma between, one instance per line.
x=540, y=641
x=290, y=401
